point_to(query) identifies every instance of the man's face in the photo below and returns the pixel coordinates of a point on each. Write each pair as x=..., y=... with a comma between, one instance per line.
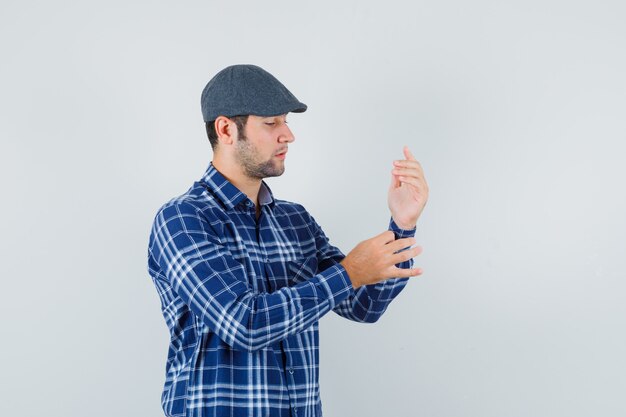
x=261, y=148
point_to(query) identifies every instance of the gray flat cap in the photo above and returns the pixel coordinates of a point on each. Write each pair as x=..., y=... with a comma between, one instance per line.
x=246, y=89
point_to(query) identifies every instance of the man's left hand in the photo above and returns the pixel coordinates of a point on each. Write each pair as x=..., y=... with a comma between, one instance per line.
x=408, y=191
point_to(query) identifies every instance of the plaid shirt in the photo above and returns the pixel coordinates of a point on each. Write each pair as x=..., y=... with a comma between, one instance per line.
x=242, y=299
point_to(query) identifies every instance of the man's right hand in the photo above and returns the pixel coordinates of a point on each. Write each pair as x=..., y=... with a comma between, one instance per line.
x=374, y=260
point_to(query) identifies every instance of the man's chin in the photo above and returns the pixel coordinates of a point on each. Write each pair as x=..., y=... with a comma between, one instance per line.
x=276, y=173
x=268, y=173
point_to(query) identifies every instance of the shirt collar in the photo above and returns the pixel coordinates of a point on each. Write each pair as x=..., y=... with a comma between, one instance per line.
x=230, y=195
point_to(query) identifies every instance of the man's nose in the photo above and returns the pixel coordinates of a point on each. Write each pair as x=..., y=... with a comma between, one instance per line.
x=286, y=135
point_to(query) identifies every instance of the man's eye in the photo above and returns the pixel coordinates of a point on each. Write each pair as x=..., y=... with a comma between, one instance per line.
x=270, y=123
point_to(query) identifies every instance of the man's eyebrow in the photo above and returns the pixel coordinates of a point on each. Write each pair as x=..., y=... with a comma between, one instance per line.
x=278, y=115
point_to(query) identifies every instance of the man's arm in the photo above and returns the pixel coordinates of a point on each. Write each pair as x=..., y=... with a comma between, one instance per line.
x=367, y=303
x=371, y=301
x=204, y=274
x=407, y=196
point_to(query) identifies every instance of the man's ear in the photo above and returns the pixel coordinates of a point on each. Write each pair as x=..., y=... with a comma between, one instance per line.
x=226, y=130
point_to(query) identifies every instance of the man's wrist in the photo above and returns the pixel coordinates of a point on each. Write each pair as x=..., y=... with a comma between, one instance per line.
x=355, y=284
x=404, y=224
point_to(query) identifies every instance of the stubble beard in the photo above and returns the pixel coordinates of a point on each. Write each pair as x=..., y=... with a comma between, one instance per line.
x=247, y=156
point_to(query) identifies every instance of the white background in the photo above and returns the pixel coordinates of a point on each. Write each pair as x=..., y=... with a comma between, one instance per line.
x=516, y=110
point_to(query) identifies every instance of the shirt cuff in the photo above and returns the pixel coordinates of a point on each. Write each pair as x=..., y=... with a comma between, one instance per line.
x=401, y=233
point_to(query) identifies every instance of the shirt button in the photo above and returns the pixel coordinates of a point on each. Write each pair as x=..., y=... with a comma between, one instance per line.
x=291, y=371
x=267, y=260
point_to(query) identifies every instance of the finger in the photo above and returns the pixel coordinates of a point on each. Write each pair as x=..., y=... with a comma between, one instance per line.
x=408, y=154
x=386, y=237
x=405, y=255
x=405, y=272
x=405, y=163
x=413, y=166
x=406, y=167
x=400, y=244
x=408, y=172
x=417, y=183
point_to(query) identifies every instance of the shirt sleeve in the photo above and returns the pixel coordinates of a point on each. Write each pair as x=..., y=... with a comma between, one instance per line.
x=204, y=274
x=367, y=303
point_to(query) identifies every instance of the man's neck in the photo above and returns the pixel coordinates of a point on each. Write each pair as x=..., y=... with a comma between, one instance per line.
x=234, y=174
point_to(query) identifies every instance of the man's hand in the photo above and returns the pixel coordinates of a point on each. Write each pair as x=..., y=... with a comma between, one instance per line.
x=408, y=191
x=374, y=260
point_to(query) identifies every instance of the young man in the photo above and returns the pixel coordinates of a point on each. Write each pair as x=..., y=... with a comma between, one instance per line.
x=243, y=277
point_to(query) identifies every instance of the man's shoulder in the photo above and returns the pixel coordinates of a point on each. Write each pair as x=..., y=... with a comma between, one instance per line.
x=194, y=200
x=290, y=207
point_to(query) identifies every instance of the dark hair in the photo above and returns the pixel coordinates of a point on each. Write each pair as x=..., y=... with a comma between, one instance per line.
x=240, y=122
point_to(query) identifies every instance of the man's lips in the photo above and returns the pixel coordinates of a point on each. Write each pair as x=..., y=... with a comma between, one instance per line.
x=281, y=154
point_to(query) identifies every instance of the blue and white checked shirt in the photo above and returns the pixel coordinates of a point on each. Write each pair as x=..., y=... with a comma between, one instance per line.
x=242, y=299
